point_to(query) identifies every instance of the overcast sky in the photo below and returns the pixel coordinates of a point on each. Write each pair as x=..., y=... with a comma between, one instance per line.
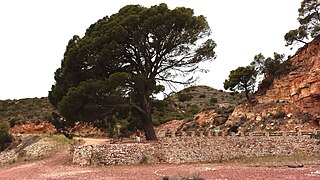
x=34, y=35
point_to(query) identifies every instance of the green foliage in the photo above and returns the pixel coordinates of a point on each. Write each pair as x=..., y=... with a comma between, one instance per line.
x=279, y=115
x=202, y=96
x=194, y=109
x=309, y=20
x=5, y=137
x=173, y=109
x=316, y=136
x=234, y=129
x=270, y=68
x=294, y=36
x=158, y=89
x=155, y=121
x=87, y=102
x=213, y=100
x=182, y=97
x=267, y=66
x=144, y=45
x=265, y=85
x=129, y=125
x=59, y=138
x=163, y=111
x=241, y=79
x=25, y=110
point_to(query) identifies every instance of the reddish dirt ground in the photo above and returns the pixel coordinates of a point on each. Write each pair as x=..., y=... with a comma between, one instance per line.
x=60, y=167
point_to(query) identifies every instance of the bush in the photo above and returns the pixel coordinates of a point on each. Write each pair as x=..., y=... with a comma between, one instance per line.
x=194, y=109
x=182, y=97
x=202, y=96
x=316, y=136
x=279, y=115
x=155, y=121
x=265, y=85
x=234, y=129
x=213, y=100
x=5, y=137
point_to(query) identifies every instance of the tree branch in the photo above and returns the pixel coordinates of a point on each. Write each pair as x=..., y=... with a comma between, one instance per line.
x=172, y=81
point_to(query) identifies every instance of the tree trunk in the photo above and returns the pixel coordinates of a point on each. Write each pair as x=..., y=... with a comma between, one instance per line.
x=145, y=116
x=247, y=95
x=146, y=120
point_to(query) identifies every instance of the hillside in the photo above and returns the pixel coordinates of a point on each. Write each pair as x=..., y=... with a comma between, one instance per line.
x=22, y=110
x=32, y=115
x=200, y=108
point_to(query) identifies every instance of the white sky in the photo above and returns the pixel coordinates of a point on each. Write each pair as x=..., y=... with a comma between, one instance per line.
x=34, y=35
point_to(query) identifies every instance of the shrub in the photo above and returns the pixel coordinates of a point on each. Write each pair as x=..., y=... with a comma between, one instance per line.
x=155, y=121
x=279, y=115
x=316, y=136
x=5, y=137
x=265, y=85
x=194, y=109
x=234, y=129
x=213, y=100
x=182, y=97
x=202, y=96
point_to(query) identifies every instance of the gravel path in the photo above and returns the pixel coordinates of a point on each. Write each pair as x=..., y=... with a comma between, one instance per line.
x=60, y=168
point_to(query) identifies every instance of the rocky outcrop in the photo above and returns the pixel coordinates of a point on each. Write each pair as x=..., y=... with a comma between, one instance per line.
x=33, y=128
x=29, y=147
x=292, y=99
x=301, y=87
x=173, y=125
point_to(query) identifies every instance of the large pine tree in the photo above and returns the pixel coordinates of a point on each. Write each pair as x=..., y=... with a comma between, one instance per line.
x=122, y=59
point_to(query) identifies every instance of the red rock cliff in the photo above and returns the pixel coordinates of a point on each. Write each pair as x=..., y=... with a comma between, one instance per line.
x=301, y=87
x=295, y=95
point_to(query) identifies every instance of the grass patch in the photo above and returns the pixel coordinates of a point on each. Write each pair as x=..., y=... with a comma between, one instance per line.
x=61, y=139
x=306, y=159
x=57, y=138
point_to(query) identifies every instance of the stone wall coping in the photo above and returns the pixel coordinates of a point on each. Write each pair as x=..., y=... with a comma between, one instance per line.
x=174, y=134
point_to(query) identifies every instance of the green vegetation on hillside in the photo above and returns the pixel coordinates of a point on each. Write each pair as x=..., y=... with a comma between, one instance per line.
x=25, y=110
x=172, y=108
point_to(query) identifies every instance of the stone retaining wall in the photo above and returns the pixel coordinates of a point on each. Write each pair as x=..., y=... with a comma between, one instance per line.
x=185, y=149
x=113, y=154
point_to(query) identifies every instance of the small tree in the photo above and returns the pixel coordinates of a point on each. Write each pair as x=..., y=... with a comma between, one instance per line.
x=241, y=79
x=267, y=68
x=309, y=20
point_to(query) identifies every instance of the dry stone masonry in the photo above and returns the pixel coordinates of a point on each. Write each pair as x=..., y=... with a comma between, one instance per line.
x=198, y=147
